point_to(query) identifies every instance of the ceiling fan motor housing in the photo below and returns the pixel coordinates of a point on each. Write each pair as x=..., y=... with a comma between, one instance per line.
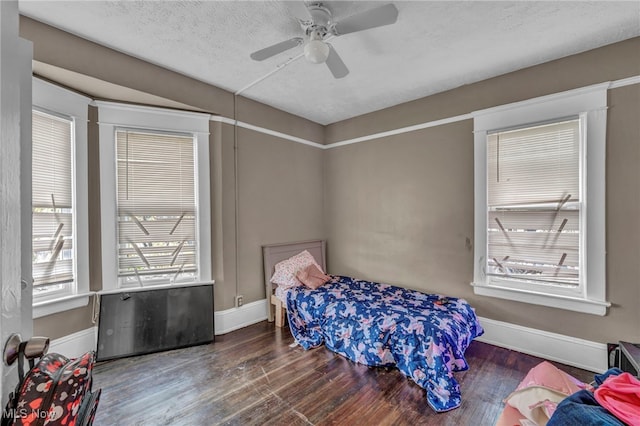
x=320, y=21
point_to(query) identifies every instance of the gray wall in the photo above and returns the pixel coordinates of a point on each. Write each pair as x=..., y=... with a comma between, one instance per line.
x=280, y=200
x=400, y=209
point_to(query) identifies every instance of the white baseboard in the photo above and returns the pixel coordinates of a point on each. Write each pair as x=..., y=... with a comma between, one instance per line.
x=585, y=354
x=76, y=344
x=235, y=318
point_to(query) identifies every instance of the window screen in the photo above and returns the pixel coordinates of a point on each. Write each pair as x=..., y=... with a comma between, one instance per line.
x=52, y=203
x=534, y=203
x=156, y=206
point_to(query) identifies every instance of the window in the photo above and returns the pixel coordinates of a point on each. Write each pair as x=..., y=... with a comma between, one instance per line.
x=52, y=204
x=156, y=207
x=539, y=207
x=154, y=174
x=59, y=199
x=533, y=204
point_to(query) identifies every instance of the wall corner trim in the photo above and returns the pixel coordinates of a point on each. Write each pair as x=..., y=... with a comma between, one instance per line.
x=235, y=318
x=585, y=354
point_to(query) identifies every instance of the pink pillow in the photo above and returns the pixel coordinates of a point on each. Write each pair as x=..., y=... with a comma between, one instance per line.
x=285, y=273
x=312, y=277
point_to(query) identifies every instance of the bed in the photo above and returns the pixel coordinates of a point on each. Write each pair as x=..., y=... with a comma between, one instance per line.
x=423, y=335
x=274, y=253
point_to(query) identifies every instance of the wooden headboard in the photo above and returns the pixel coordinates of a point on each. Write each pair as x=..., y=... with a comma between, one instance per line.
x=274, y=253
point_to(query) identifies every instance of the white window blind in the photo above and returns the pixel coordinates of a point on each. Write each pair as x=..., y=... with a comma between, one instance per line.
x=533, y=200
x=156, y=196
x=52, y=202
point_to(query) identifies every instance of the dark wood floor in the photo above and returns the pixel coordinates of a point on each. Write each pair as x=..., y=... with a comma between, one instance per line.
x=253, y=377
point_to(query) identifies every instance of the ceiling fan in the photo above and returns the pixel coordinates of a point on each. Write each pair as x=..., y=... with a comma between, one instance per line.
x=318, y=26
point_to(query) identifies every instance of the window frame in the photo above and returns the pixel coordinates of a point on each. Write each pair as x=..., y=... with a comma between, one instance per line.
x=54, y=99
x=116, y=116
x=590, y=104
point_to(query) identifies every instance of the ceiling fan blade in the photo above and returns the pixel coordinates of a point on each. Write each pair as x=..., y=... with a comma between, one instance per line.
x=335, y=64
x=298, y=8
x=270, y=51
x=376, y=17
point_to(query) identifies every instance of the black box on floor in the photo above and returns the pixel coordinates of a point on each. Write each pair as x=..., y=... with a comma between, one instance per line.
x=630, y=357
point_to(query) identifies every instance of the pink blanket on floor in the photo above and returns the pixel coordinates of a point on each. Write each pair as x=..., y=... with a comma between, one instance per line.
x=538, y=394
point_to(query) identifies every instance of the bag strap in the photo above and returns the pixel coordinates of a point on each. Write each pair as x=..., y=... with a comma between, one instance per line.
x=46, y=403
x=21, y=357
x=88, y=408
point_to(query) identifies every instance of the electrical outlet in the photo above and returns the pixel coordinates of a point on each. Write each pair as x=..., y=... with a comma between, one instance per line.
x=239, y=301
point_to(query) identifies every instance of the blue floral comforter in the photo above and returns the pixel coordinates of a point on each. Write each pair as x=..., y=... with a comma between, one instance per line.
x=423, y=335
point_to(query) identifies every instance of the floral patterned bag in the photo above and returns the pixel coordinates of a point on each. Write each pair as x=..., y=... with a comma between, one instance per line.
x=57, y=391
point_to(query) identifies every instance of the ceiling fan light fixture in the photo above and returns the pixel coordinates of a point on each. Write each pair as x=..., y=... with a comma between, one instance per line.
x=318, y=25
x=316, y=51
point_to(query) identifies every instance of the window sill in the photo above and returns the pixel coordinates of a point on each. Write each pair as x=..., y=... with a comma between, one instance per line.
x=157, y=286
x=570, y=303
x=64, y=303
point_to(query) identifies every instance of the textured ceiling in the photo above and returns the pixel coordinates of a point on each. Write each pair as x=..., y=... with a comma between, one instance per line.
x=433, y=47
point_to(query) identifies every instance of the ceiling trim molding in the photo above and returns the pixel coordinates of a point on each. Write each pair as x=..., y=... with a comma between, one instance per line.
x=401, y=130
x=625, y=82
x=280, y=135
x=266, y=131
x=221, y=119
